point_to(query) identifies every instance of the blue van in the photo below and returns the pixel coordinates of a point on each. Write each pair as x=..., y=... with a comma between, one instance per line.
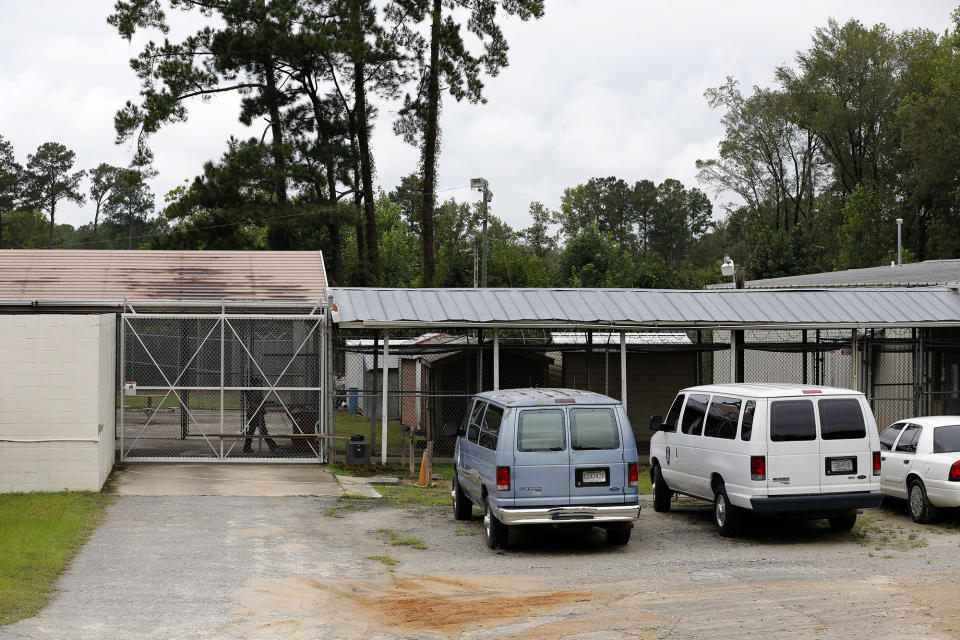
x=545, y=456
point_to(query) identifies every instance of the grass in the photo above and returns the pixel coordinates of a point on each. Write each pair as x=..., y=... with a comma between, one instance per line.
x=387, y=560
x=464, y=532
x=882, y=536
x=406, y=496
x=397, y=539
x=39, y=534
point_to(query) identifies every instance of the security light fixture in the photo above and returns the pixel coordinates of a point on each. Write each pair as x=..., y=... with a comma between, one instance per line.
x=727, y=267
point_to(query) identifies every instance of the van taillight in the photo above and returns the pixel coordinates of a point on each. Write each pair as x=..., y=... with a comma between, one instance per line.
x=876, y=463
x=758, y=468
x=503, y=478
x=633, y=474
x=954, y=472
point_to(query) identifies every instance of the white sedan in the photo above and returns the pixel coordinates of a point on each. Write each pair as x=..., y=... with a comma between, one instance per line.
x=920, y=462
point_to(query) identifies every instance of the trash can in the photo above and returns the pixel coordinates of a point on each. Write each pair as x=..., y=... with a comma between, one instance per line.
x=358, y=450
x=352, y=393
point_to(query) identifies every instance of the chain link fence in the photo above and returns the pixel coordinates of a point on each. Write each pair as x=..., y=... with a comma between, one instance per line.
x=431, y=376
x=220, y=387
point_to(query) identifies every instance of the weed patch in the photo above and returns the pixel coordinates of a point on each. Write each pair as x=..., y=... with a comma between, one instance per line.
x=397, y=539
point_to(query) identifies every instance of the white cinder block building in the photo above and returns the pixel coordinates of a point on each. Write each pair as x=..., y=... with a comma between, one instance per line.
x=61, y=317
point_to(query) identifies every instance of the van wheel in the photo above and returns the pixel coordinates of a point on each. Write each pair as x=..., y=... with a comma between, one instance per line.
x=727, y=517
x=920, y=508
x=661, y=492
x=495, y=532
x=462, y=507
x=618, y=537
x=843, y=522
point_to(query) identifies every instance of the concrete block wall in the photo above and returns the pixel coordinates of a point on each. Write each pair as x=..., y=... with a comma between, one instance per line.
x=57, y=407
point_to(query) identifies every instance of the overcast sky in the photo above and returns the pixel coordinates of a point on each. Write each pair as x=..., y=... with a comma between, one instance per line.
x=595, y=88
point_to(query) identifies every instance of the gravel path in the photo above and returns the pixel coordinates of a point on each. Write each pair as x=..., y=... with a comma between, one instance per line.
x=245, y=567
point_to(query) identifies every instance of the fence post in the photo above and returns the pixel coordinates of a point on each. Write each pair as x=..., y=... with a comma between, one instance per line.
x=733, y=356
x=623, y=370
x=223, y=319
x=123, y=378
x=496, y=360
x=385, y=385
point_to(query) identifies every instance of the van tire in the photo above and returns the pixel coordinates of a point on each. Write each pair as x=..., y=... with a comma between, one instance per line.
x=495, y=532
x=920, y=508
x=661, y=492
x=843, y=521
x=727, y=517
x=618, y=537
x=462, y=507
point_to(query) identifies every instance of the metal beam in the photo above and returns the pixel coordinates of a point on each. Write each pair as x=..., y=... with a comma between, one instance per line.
x=496, y=361
x=385, y=384
x=623, y=369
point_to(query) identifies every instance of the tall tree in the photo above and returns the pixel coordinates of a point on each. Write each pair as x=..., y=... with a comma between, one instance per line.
x=11, y=175
x=103, y=182
x=448, y=64
x=131, y=202
x=50, y=179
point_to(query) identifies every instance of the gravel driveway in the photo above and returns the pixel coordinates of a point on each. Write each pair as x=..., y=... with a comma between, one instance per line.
x=245, y=567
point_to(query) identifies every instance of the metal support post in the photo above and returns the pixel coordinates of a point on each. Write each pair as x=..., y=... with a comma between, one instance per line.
x=123, y=378
x=223, y=382
x=385, y=383
x=496, y=360
x=733, y=356
x=623, y=369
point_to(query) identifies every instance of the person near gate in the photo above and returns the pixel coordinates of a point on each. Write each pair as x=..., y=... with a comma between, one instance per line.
x=256, y=409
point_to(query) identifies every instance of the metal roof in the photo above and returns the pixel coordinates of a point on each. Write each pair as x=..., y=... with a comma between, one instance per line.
x=107, y=277
x=537, y=397
x=627, y=308
x=917, y=274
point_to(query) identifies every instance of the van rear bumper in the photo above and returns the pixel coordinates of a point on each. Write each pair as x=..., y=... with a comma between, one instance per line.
x=821, y=503
x=573, y=514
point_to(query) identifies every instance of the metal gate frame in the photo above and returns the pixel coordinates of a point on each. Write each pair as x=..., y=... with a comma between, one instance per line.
x=318, y=324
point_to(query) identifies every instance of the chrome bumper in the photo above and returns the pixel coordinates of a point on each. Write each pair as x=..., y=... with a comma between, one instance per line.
x=573, y=513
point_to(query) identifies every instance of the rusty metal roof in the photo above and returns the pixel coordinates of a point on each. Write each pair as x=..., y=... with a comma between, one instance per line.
x=108, y=277
x=594, y=308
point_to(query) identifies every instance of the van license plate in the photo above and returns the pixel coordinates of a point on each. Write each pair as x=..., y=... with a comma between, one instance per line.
x=842, y=465
x=594, y=477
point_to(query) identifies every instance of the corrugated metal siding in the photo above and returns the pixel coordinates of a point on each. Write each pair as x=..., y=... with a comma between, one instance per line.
x=111, y=276
x=554, y=307
x=653, y=380
x=918, y=274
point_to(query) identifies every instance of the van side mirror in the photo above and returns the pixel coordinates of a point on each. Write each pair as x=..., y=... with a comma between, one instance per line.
x=450, y=429
x=656, y=423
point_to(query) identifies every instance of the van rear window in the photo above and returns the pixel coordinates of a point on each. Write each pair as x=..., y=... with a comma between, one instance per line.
x=792, y=420
x=593, y=429
x=541, y=430
x=841, y=419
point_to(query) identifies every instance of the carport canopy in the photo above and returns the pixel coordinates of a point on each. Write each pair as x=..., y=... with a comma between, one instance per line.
x=631, y=309
x=646, y=308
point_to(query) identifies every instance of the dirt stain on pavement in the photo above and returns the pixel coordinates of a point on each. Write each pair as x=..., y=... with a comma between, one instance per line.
x=302, y=607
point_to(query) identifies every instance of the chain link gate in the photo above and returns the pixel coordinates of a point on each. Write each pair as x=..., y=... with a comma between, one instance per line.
x=222, y=387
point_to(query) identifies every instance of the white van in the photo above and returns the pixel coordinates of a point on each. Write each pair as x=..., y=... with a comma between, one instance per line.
x=776, y=449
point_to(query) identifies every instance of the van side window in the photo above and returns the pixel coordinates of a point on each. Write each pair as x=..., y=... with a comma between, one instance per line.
x=473, y=427
x=841, y=419
x=792, y=420
x=889, y=436
x=908, y=441
x=746, y=429
x=673, y=415
x=490, y=429
x=593, y=429
x=541, y=430
x=692, y=420
x=722, y=418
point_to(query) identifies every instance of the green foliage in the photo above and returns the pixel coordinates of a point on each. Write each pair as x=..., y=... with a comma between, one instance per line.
x=49, y=178
x=39, y=533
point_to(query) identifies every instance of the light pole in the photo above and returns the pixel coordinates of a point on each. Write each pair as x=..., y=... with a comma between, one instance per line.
x=481, y=185
x=727, y=269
